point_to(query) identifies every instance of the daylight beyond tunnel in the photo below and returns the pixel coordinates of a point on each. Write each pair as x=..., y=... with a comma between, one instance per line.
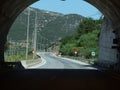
x=110, y=29
x=70, y=35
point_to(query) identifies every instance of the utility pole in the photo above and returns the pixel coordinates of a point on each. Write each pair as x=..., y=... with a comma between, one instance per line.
x=35, y=34
x=10, y=47
x=27, y=41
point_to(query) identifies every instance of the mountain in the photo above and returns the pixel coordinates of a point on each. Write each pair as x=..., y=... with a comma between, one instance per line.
x=50, y=25
x=62, y=26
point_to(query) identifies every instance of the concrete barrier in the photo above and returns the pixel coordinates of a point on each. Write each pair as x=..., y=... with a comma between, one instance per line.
x=29, y=63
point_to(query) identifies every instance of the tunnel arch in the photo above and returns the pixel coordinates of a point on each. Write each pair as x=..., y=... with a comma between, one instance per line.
x=10, y=9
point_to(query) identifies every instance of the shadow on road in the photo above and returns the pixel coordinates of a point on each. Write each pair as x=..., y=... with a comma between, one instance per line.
x=57, y=79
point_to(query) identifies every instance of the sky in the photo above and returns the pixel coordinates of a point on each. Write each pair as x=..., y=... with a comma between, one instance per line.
x=69, y=7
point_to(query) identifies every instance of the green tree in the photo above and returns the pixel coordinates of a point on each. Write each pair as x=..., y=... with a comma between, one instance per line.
x=85, y=39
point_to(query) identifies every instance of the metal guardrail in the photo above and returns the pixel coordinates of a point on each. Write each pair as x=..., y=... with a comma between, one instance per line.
x=90, y=61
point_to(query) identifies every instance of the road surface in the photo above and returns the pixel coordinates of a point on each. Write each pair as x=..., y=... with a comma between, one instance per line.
x=70, y=76
x=54, y=62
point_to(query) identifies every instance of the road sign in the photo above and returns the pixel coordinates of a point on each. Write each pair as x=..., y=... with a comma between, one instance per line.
x=93, y=54
x=33, y=51
x=76, y=51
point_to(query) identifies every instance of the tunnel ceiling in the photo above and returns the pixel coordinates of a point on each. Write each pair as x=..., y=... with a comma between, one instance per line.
x=10, y=9
x=110, y=9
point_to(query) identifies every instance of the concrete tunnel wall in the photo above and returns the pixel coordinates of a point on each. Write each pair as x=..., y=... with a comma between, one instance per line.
x=110, y=30
x=10, y=9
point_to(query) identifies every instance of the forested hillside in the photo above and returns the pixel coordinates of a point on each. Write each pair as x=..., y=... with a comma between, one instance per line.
x=85, y=40
x=51, y=25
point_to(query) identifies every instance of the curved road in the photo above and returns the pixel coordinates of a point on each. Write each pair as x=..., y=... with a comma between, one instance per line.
x=59, y=74
x=53, y=62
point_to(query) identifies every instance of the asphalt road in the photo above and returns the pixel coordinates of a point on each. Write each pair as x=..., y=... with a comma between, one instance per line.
x=69, y=76
x=53, y=62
